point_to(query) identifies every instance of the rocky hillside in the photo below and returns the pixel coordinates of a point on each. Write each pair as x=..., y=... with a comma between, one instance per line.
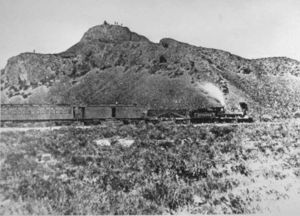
x=112, y=64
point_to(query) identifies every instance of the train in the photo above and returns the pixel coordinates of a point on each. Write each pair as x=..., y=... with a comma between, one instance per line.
x=126, y=113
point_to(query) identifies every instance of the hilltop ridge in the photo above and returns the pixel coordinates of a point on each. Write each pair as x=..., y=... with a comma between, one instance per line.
x=111, y=33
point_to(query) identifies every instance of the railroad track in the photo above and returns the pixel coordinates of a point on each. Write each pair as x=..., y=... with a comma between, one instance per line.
x=12, y=129
x=289, y=121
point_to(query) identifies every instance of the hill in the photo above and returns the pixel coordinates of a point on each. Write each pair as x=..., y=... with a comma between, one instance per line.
x=112, y=64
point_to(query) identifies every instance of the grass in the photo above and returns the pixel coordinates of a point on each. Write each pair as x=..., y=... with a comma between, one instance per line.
x=168, y=169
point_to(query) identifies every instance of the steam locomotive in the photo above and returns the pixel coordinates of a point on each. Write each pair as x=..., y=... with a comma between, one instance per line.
x=125, y=113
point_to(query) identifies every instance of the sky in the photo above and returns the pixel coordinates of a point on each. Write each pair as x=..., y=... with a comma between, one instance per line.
x=248, y=28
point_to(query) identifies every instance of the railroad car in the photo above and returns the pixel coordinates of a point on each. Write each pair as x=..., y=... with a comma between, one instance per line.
x=177, y=115
x=24, y=112
x=206, y=115
x=98, y=113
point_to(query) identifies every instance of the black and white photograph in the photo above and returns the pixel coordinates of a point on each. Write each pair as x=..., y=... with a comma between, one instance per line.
x=150, y=107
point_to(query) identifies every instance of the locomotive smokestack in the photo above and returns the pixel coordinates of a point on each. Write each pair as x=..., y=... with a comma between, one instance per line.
x=244, y=108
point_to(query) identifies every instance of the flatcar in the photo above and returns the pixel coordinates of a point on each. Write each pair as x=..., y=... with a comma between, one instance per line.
x=176, y=115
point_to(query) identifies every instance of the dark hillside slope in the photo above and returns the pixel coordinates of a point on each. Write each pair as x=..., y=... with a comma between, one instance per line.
x=112, y=64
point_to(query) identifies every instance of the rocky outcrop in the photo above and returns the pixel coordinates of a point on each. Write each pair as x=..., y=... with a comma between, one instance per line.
x=111, y=33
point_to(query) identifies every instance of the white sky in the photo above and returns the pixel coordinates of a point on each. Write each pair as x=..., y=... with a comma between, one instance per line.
x=249, y=28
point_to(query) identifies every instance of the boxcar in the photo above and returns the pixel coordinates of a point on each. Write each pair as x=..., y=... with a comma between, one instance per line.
x=103, y=112
x=129, y=112
x=97, y=112
x=21, y=112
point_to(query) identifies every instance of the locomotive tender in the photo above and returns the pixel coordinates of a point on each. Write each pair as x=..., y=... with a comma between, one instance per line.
x=125, y=113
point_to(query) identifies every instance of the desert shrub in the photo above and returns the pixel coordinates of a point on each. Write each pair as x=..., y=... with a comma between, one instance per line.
x=220, y=131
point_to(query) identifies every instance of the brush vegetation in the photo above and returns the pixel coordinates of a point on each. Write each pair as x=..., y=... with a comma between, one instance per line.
x=168, y=169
